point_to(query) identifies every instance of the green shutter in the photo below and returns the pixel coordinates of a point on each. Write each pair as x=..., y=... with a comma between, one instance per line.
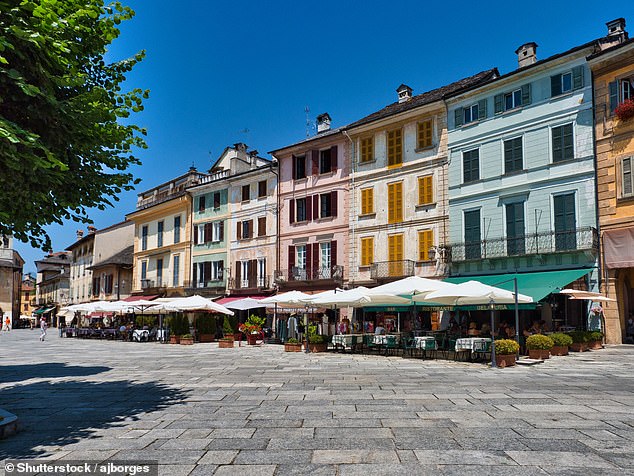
x=568, y=152
x=482, y=109
x=577, y=77
x=555, y=85
x=526, y=94
x=498, y=101
x=458, y=114
x=614, y=95
x=557, y=144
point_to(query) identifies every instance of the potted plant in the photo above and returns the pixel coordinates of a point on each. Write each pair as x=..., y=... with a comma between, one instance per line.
x=206, y=328
x=317, y=343
x=625, y=110
x=187, y=339
x=539, y=346
x=595, y=340
x=579, y=341
x=505, y=352
x=252, y=328
x=562, y=342
x=227, y=329
x=178, y=326
x=292, y=345
x=226, y=342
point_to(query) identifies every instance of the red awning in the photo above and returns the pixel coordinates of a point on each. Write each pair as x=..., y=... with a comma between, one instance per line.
x=227, y=300
x=140, y=298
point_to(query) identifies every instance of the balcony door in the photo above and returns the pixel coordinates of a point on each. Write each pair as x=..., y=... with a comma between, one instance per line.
x=395, y=254
x=565, y=222
x=515, y=231
x=472, y=240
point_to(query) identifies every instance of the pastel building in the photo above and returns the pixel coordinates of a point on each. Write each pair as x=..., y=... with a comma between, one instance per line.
x=81, y=253
x=11, y=264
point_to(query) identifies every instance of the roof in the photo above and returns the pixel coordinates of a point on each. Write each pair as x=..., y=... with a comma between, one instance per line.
x=428, y=97
x=123, y=257
x=319, y=136
x=610, y=49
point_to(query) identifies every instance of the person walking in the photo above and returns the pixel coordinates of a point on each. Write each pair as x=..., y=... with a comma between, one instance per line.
x=6, y=324
x=43, y=327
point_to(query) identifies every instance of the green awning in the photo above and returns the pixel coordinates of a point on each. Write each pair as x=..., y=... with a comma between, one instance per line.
x=44, y=310
x=536, y=285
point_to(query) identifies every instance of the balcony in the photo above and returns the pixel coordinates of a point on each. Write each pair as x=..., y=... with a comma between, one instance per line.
x=581, y=239
x=389, y=270
x=299, y=275
x=251, y=283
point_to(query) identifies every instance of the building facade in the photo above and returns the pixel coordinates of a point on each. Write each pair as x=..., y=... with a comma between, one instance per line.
x=162, y=237
x=11, y=264
x=81, y=280
x=313, y=194
x=53, y=285
x=613, y=78
x=28, y=302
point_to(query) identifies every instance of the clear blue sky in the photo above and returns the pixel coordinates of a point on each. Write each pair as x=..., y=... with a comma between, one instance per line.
x=218, y=68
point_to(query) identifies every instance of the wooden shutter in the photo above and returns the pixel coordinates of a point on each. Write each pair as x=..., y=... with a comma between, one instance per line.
x=308, y=208
x=221, y=233
x=195, y=275
x=394, y=147
x=482, y=109
x=262, y=226
x=425, y=242
x=395, y=247
x=206, y=271
x=395, y=202
x=458, y=116
x=217, y=200
x=333, y=253
x=399, y=202
x=555, y=85
x=577, y=77
x=614, y=95
x=315, y=157
x=209, y=232
x=333, y=158
x=557, y=144
x=315, y=205
x=390, y=203
x=195, y=234
x=526, y=94
x=498, y=103
x=201, y=203
x=425, y=190
x=291, y=210
x=367, y=201
x=333, y=203
x=626, y=168
x=315, y=258
x=221, y=269
x=294, y=160
x=424, y=134
x=239, y=231
x=238, y=280
x=291, y=260
x=367, y=251
x=308, y=260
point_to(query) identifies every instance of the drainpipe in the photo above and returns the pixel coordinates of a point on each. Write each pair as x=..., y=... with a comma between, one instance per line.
x=596, y=191
x=275, y=163
x=351, y=241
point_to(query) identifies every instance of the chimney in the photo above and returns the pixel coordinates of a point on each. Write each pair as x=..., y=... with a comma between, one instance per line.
x=526, y=54
x=616, y=34
x=323, y=122
x=616, y=27
x=80, y=234
x=253, y=156
x=91, y=229
x=240, y=147
x=404, y=93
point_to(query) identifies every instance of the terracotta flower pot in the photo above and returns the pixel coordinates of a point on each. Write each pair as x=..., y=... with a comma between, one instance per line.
x=503, y=361
x=206, y=337
x=252, y=339
x=225, y=344
x=230, y=336
x=578, y=347
x=539, y=354
x=595, y=345
x=559, y=350
x=318, y=347
x=187, y=341
x=292, y=347
x=175, y=339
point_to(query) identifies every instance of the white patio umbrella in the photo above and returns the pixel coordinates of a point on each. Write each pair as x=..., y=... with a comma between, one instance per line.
x=193, y=303
x=412, y=285
x=472, y=293
x=586, y=295
x=291, y=298
x=358, y=297
x=245, y=304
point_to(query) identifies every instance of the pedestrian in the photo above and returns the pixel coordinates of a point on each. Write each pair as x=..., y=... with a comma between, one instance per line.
x=43, y=327
x=7, y=324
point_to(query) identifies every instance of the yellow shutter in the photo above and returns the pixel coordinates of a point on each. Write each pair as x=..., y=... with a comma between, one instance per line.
x=425, y=190
x=394, y=148
x=425, y=242
x=367, y=201
x=398, y=214
x=390, y=203
x=395, y=254
x=367, y=149
x=367, y=251
x=425, y=134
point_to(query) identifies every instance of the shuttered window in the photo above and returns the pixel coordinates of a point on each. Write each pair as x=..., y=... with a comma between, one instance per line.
x=367, y=201
x=562, y=143
x=425, y=242
x=424, y=134
x=395, y=202
x=626, y=177
x=395, y=254
x=367, y=149
x=513, y=160
x=565, y=222
x=472, y=235
x=367, y=251
x=425, y=190
x=471, y=165
x=395, y=148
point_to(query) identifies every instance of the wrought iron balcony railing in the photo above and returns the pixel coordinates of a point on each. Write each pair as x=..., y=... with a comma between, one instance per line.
x=334, y=272
x=252, y=282
x=581, y=239
x=392, y=269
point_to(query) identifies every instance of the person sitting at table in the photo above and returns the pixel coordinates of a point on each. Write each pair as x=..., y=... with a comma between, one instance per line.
x=380, y=330
x=510, y=332
x=532, y=330
x=543, y=326
x=473, y=330
x=501, y=332
x=485, y=330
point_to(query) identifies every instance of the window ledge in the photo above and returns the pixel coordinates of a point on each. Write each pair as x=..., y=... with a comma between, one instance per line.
x=368, y=215
x=424, y=149
x=301, y=222
x=245, y=201
x=513, y=172
x=365, y=267
x=367, y=162
x=510, y=112
x=395, y=166
x=300, y=180
x=625, y=199
x=425, y=206
x=563, y=95
x=323, y=219
x=469, y=124
x=326, y=174
x=424, y=262
x=565, y=161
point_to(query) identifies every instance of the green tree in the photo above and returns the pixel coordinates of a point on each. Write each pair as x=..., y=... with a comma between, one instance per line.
x=64, y=146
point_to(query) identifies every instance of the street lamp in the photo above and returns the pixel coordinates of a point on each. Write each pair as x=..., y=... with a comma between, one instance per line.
x=492, y=309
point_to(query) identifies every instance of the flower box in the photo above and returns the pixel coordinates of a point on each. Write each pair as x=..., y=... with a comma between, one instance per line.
x=539, y=354
x=320, y=347
x=175, y=339
x=625, y=110
x=292, y=347
x=595, y=345
x=559, y=350
x=187, y=341
x=206, y=337
x=504, y=361
x=578, y=346
x=226, y=343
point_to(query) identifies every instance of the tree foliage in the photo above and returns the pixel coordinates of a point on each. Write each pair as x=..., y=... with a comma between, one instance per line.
x=65, y=141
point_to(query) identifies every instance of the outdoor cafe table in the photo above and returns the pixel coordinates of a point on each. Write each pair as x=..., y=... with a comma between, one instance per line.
x=381, y=339
x=425, y=343
x=345, y=340
x=472, y=343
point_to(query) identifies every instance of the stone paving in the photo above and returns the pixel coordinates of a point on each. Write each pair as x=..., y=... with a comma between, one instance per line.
x=200, y=410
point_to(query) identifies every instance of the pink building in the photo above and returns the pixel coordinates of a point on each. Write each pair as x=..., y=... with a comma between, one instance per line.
x=313, y=218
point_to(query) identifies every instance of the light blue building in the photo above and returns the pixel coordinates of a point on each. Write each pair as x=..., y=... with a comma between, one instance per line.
x=522, y=182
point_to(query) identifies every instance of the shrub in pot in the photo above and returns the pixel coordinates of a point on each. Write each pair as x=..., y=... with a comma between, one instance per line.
x=561, y=343
x=292, y=345
x=206, y=328
x=579, y=341
x=227, y=328
x=595, y=340
x=226, y=343
x=317, y=343
x=187, y=339
x=539, y=346
x=178, y=325
x=505, y=352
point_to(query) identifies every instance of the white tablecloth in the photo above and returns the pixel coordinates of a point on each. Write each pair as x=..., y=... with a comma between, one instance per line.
x=426, y=342
x=382, y=339
x=345, y=340
x=472, y=343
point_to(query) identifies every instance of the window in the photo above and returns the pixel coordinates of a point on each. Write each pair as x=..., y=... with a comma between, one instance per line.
x=208, y=271
x=300, y=204
x=367, y=149
x=199, y=232
x=565, y=222
x=246, y=193
x=262, y=188
x=626, y=177
x=325, y=165
x=512, y=100
x=367, y=201
x=367, y=251
x=144, y=233
x=300, y=260
x=247, y=231
x=424, y=132
x=177, y=229
x=143, y=269
x=565, y=82
x=425, y=243
x=394, y=148
x=262, y=226
x=299, y=168
x=562, y=143
x=395, y=254
x=325, y=259
x=216, y=270
x=244, y=282
x=472, y=234
x=108, y=284
x=471, y=165
x=176, y=270
x=216, y=197
x=425, y=190
x=96, y=286
x=159, y=234
x=325, y=208
x=513, y=160
x=201, y=203
x=159, y=272
x=261, y=276
x=471, y=113
x=217, y=230
x=515, y=244
x=395, y=202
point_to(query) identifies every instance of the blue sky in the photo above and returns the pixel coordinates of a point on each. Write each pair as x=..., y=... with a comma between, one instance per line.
x=216, y=70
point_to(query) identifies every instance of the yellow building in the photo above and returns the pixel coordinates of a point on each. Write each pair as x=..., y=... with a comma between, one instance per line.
x=162, y=238
x=613, y=77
